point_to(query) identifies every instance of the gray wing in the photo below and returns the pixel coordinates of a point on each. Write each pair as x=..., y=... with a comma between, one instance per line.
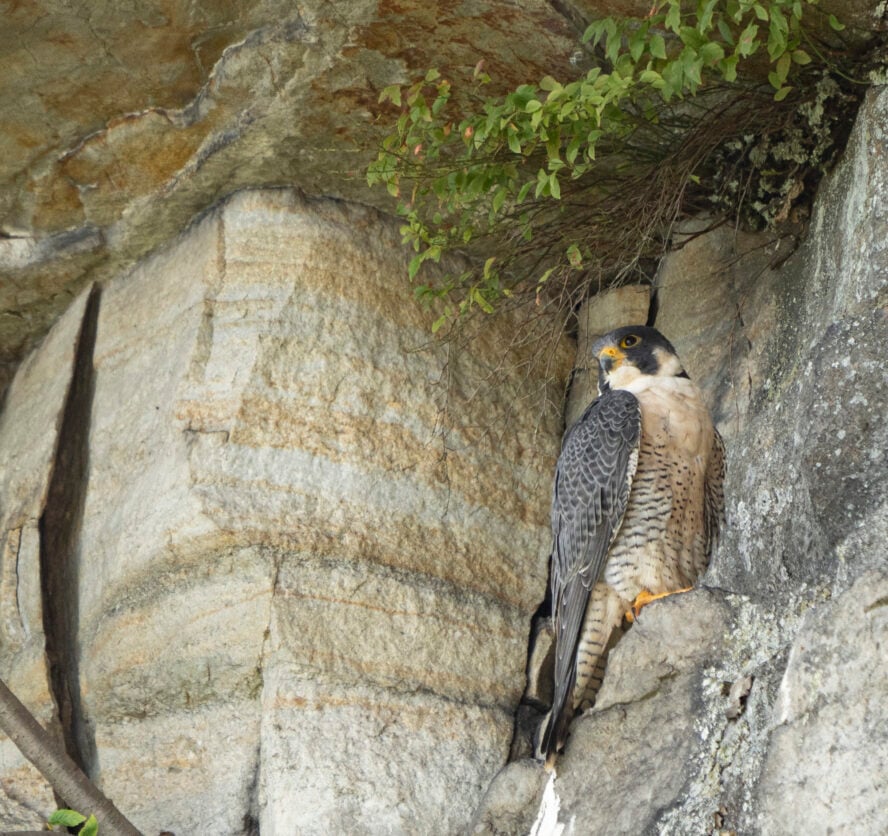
x=592, y=483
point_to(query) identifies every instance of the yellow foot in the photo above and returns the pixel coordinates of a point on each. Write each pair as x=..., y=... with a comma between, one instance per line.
x=644, y=598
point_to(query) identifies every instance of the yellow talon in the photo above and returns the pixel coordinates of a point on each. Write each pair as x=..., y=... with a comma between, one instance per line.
x=644, y=598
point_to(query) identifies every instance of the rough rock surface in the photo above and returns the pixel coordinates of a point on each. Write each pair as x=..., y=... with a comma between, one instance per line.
x=295, y=583
x=124, y=121
x=502, y=810
x=827, y=759
x=305, y=567
x=757, y=705
x=29, y=433
x=638, y=744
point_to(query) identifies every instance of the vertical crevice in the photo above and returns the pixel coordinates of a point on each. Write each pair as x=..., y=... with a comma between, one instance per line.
x=60, y=525
x=653, y=308
x=538, y=673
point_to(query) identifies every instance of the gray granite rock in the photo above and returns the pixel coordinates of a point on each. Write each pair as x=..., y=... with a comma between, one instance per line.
x=827, y=757
x=630, y=757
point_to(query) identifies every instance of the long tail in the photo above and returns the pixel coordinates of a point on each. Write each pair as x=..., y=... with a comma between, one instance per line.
x=554, y=729
x=581, y=681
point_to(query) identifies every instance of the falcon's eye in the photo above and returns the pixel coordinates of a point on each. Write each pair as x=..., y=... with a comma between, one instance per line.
x=630, y=341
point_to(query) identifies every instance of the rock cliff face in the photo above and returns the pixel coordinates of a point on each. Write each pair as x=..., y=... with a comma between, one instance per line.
x=269, y=552
x=123, y=121
x=756, y=704
x=296, y=588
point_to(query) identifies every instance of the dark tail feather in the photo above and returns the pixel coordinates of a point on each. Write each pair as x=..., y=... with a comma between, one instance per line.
x=554, y=730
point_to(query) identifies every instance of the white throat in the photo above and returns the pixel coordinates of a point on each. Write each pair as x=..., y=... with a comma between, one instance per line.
x=628, y=377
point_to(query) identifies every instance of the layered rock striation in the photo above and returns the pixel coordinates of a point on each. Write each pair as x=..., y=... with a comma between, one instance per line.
x=309, y=538
x=269, y=552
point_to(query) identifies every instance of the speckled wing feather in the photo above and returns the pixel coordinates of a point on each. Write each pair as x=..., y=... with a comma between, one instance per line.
x=592, y=483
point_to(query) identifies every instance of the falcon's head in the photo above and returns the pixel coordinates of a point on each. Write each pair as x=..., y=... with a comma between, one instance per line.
x=628, y=353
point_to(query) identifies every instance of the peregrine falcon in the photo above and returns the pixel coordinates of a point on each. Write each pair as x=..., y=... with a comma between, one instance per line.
x=636, y=508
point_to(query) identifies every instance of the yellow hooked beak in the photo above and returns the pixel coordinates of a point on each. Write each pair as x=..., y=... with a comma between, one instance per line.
x=610, y=358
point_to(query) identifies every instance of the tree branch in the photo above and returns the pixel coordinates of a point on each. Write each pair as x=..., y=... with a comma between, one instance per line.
x=53, y=763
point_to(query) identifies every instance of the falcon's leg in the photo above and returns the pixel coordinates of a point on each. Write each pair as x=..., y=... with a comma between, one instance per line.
x=644, y=598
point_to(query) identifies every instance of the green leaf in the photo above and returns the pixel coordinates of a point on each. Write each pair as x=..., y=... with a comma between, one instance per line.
x=726, y=32
x=476, y=296
x=711, y=53
x=574, y=256
x=550, y=84
x=782, y=93
x=532, y=105
x=704, y=23
x=415, y=264
x=638, y=41
x=673, y=16
x=573, y=149
x=689, y=36
x=835, y=23
x=541, y=183
x=657, y=47
x=729, y=68
x=90, y=828
x=545, y=277
x=783, y=65
x=392, y=93
x=432, y=75
x=673, y=80
x=436, y=325
x=777, y=35
x=594, y=31
x=801, y=57
x=514, y=142
x=614, y=41
x=440, y=102
x=693, y=68
x=66, y=818
x=554, y=187
x=760, y=12
x=778, y=20
x=499, y=199
x=652, y=78
x=746, y=44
